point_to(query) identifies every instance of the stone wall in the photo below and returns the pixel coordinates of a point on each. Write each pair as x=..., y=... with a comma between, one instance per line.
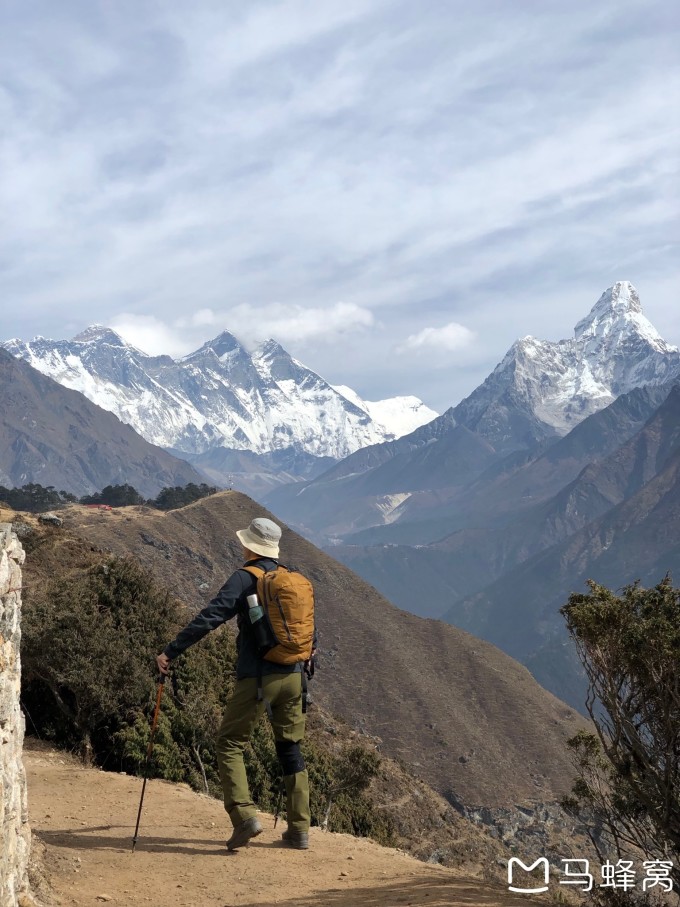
x=15, y=833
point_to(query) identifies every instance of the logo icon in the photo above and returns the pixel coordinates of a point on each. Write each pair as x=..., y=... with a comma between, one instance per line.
x=546, y=872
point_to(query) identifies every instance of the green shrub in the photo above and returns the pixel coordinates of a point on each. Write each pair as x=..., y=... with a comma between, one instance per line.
x=89, y=684
x=115, y=496
x=172, y=498
x=34, y=498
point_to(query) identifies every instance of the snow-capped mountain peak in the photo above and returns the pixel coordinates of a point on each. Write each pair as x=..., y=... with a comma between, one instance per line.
x=99, y=333
x=270, y=347
x=224, y=346
x=620, y=299
x=618, y=313
x=274, y=363
x=544, y=388
x=218, y=396
x=270, y=352
x=399, y=415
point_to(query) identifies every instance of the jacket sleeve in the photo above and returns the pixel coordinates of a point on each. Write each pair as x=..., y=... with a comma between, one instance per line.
x=220, y=609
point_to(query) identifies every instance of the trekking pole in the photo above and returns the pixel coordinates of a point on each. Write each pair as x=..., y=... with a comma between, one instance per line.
x=149, y=750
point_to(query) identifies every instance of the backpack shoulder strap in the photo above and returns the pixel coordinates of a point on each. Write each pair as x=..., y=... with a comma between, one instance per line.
x=257, y=572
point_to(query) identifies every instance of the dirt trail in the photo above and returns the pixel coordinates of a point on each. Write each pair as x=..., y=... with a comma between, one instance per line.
x=84, y=819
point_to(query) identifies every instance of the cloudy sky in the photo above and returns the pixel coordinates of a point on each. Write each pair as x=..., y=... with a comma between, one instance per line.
x=393, y=190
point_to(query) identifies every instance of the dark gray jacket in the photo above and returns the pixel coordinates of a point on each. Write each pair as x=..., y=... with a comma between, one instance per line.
x=230, y=602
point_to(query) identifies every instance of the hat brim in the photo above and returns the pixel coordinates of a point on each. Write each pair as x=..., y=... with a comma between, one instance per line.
x=257, y=546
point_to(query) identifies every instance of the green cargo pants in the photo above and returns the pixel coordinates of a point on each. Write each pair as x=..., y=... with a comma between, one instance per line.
x=243, y=711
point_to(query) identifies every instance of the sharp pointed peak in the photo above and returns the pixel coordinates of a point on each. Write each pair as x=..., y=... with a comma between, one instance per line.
x=221, y=345
x=523, y=346
x=622, y=295
x=271, y=347
x=224, y=337
x=619, y=300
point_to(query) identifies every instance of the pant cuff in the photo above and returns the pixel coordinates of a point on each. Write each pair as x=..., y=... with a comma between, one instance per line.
x=240, y=813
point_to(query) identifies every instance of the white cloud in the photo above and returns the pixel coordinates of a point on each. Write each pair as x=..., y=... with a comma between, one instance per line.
x=201, y=318
x=149, y=334
x=288, y=323
x=246, y=166
x=250, y=324
x=449, y=337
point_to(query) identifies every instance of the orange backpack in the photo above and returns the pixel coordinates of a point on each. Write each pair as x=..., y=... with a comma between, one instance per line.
x=288, y=601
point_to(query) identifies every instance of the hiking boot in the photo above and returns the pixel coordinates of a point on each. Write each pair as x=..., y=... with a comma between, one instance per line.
x=297, y=839
x=243, y=832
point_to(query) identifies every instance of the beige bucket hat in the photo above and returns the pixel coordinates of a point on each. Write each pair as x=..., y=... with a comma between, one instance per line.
x=261, y=537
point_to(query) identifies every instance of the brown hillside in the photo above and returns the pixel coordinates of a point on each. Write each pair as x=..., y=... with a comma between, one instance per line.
x=466, y=717
x=418, y=819
x=56, y=436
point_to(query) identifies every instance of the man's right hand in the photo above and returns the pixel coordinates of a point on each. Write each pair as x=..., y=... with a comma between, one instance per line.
x=163, y=663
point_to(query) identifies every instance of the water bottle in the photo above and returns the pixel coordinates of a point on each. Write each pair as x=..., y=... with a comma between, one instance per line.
x=255, y=609
x=260, y=624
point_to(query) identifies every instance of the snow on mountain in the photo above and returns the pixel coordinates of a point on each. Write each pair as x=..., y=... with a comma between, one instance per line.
x=544, y=388
x=222, y=396
x=218, y=396
x=399, y=415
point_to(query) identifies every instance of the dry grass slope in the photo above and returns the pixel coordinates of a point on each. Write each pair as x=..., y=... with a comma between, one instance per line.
x=470, y=720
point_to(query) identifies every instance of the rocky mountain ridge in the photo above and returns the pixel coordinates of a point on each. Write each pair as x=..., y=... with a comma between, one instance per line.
x=504, y=553
x=220, y=396
x=543, y=389
x=501, y=501
x=538, y=393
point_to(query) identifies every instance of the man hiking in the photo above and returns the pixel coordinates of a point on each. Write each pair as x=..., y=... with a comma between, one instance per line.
x=261, y=682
